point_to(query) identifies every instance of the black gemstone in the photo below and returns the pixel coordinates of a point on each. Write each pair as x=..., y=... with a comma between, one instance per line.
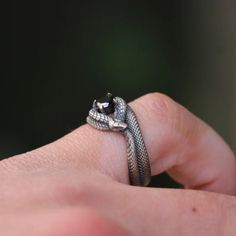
x=106, y=104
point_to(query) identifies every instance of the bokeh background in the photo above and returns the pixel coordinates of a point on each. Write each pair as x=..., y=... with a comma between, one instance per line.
x=57, y=56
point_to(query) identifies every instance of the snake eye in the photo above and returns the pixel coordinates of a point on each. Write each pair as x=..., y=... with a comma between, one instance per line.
x=106, y=104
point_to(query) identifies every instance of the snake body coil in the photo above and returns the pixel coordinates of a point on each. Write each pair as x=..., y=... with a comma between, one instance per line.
x=125, y=121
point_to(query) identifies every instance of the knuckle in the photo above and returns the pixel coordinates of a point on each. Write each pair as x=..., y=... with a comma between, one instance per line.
x=83, y=221
x=160, y=105
x=70, y=190
x=78, y=188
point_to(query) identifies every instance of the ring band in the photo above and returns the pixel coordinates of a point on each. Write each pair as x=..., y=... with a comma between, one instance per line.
x=112, y=113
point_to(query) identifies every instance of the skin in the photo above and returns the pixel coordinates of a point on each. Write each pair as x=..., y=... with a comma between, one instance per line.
x=78, y=185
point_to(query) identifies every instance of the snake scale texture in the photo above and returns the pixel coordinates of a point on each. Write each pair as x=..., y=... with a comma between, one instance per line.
x=124, y=120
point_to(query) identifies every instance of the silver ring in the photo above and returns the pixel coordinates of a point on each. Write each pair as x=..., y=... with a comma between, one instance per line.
x=113, y=114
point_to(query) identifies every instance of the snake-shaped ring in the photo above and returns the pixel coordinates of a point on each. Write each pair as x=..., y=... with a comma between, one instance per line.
x=112, y=113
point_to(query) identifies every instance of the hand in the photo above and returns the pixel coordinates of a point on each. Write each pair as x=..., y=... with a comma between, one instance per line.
x=78, y=184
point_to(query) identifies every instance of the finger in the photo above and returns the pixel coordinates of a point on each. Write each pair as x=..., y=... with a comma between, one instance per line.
x=60, y=222
x=149, y=211
x=177, y=142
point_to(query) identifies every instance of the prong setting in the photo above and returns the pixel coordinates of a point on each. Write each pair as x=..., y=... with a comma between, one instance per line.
x=105, y=104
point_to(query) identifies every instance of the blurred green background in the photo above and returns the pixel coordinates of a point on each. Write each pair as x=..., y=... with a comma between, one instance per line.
x=60, y=55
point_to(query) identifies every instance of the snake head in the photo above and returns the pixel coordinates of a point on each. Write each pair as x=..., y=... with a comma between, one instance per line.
x=118, y=126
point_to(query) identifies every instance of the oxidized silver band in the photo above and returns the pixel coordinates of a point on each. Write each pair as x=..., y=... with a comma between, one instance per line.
x=112, y=113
